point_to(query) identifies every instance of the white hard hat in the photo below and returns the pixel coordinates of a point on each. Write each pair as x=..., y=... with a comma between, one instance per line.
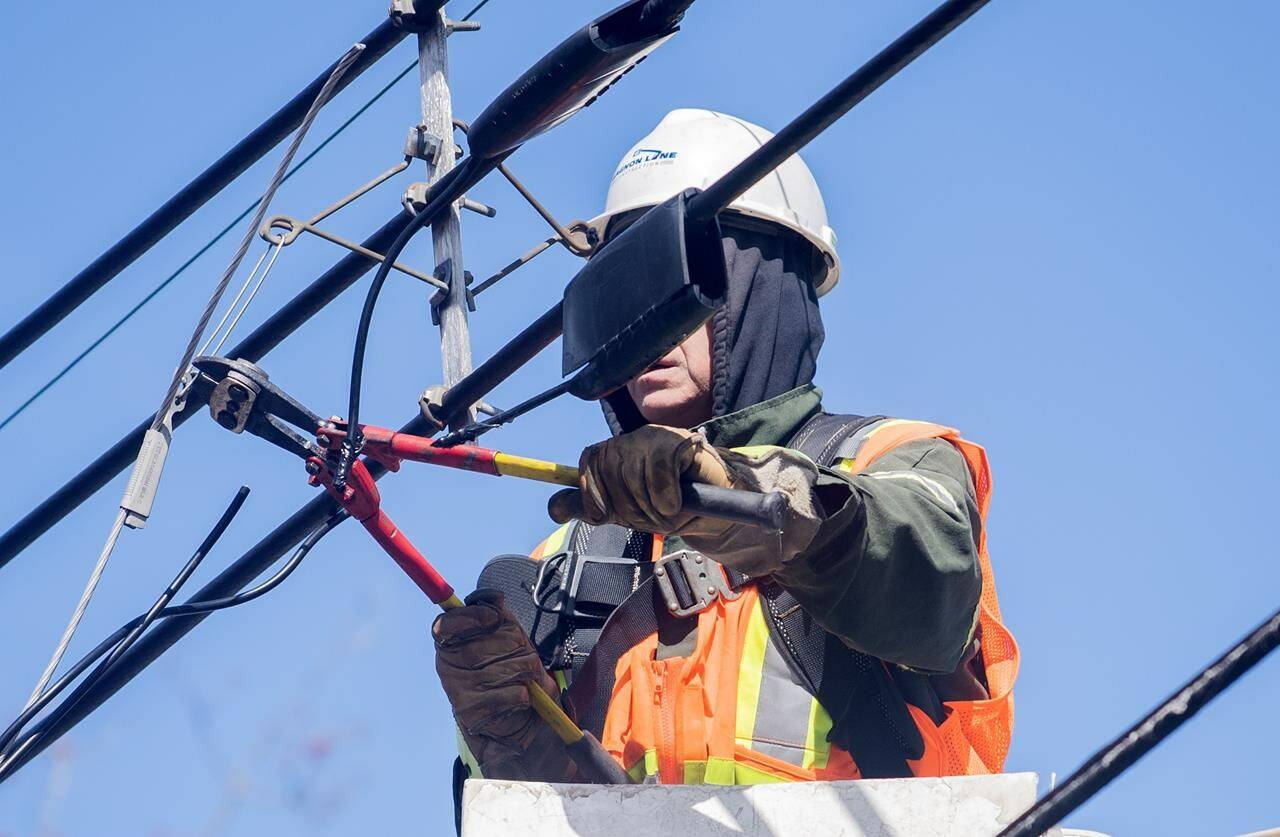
x=692, y=147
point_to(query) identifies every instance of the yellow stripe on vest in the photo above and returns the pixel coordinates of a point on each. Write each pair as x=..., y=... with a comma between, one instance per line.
x=750, y=673
x=817, y=747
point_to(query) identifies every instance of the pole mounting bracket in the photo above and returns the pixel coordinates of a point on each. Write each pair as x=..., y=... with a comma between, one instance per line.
x=444, y=275
x=421, y=144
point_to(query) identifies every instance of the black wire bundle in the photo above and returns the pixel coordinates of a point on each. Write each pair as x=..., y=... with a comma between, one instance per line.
x=124, y=637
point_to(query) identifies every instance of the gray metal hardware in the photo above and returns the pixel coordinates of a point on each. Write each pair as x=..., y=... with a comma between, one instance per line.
x=690, y=582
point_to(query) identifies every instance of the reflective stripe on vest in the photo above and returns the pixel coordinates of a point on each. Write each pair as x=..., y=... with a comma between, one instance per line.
x=794, y=726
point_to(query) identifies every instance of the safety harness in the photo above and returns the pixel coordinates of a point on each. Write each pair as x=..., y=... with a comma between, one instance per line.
x=596, y=596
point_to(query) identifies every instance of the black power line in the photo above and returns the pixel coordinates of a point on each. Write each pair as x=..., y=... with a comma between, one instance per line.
x=1108, y=763
x=823, y=113
x=168, y=280
x=119, y=643
x=190, y=198
x=123, y=638
x=253, y=348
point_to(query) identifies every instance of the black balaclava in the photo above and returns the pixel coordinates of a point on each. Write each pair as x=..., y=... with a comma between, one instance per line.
x=765, y=340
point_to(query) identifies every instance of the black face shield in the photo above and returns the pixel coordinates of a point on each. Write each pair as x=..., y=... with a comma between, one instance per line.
x=766, y=339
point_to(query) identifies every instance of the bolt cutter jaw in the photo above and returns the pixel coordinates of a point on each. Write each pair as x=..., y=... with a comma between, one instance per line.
x=243, y=398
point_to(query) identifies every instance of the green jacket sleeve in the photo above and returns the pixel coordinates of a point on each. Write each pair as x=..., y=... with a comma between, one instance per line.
x=893, y=570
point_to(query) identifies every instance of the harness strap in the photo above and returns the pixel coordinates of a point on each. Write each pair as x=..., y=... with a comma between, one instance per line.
x=563, y=600
x=592, y=687
x=869, y=716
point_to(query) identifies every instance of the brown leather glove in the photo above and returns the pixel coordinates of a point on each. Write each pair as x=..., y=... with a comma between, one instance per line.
x=484, y=659
x=634, y=480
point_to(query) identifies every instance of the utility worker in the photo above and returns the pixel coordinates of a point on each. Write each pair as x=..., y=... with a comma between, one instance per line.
x=864, y=641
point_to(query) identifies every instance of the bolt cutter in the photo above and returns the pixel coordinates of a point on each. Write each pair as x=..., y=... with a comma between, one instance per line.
x=241, y=398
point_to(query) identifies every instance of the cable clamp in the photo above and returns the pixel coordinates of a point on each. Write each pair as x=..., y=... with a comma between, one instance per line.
x=444, y=274
x=421, y=144
x=415, y=200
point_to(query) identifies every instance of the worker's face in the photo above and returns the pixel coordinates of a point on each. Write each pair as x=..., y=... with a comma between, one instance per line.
x=676, y=391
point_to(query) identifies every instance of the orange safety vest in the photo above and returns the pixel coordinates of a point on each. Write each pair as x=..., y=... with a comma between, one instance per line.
x=733, y=713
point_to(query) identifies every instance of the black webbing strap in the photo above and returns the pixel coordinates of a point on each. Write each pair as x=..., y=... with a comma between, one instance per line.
x=869, y=715
x=563, y=600
x=592, y=687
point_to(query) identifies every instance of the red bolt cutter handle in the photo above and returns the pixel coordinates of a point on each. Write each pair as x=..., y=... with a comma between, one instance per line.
x=362, y=501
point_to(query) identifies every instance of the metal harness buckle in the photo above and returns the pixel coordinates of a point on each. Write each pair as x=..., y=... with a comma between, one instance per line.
x=690, y=582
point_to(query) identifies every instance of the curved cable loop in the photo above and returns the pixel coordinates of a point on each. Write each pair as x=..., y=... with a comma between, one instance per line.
x=114, y=642
x=164, y=414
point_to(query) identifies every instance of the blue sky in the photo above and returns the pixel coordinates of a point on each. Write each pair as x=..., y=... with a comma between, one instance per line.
x=1059, y=235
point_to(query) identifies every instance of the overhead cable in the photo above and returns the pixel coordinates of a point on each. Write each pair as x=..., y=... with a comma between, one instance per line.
x=190, y=198
x=254, y=347
x=135, y=506
x=118, y=644
x=161, y=637
x=1108, y=763
x=840, y=100
x=143, y=622
x=128, y=315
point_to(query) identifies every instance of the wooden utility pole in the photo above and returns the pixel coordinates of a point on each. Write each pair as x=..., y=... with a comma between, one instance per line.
x=446, y=233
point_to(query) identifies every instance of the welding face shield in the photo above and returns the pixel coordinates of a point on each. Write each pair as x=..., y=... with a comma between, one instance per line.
x=645, y=289
x=767, y=333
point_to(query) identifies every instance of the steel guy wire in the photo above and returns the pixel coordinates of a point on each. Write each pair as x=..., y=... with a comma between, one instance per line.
x=165, y=412
x=272, y=263
x=166, y=403
x=271, y=251
x=204, y=350
x=128, y=315
x=94, y=577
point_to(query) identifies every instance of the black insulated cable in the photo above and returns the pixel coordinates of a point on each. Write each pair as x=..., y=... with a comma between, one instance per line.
x=192, y=608
x=190, y=198
x=839, y=101
x=1108, y=763
x=131, y=636
x=477, y=429
x=445, y=191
